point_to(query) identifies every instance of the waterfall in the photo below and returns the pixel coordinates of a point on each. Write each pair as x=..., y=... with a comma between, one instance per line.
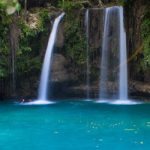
x=104, y=60
x=106, y=50
x=43, y=87
x=87, y=55
x=123, y=92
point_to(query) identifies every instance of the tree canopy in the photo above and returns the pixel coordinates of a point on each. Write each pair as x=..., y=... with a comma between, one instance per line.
x=9, y=6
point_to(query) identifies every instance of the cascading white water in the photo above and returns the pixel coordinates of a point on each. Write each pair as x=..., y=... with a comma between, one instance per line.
x=123, y=80
x=43, y=87
x=42, y=93
x=123, y=92
x=104, y=60
x=87, y=55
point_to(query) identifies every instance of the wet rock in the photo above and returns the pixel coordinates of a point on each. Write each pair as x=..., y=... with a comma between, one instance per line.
x=59, y=71
x=60, y=37
x=139, y=87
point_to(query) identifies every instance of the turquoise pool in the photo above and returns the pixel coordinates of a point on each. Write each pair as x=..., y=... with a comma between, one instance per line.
x=75, y=125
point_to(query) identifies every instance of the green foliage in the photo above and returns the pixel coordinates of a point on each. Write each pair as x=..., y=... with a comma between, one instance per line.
x=121, y=2
x=4, y=44
x=44, y=15
x=145, y=27
x=26, y=64
x=146, y=40
x=146, y=53
x=27, y=54
x=75, y=44
x=69, y=4
x=4, y=66
x=32, y=29
x=9, y=6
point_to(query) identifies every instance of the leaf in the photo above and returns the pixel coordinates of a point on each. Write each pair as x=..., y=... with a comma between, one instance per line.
x=18, y=6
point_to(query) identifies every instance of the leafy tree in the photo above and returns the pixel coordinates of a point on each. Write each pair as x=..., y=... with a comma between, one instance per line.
x=9, y=6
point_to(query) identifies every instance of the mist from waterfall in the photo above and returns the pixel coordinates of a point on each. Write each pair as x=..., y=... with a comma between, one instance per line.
x=87, y=55
x=121, y=78
x=44, y=80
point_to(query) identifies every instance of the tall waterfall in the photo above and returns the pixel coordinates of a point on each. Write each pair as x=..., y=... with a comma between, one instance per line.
x=43, y=87
x=106, y=50
x=104, y=60
x=42, y=93
x=123, y=87
x=87, y=55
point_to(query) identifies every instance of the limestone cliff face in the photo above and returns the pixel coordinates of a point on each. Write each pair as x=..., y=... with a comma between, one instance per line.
x=133, y=12
x=59, y=70
x=66, y=74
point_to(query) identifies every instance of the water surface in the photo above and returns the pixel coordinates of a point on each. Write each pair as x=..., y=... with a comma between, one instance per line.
x=74, y=125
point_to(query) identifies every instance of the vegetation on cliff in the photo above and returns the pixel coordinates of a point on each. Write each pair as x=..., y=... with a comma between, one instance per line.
x=6, y=9
x=145, y=30
x=24, y=35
